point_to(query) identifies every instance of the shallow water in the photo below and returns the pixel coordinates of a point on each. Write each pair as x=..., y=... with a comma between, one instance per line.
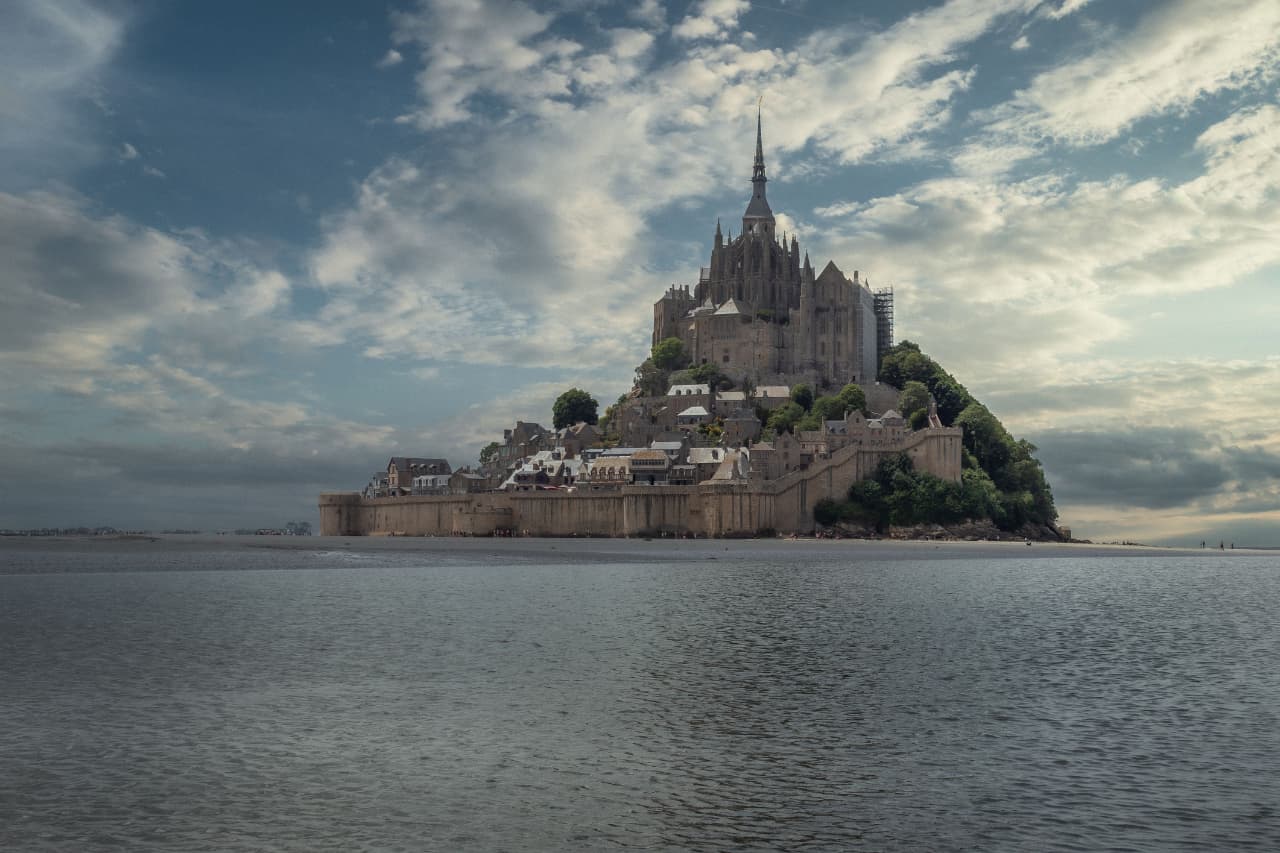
x=658, y=696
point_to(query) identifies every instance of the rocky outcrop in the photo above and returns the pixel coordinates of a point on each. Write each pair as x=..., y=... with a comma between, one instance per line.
x=968, y=531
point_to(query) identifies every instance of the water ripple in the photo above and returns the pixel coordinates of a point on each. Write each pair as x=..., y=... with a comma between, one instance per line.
x=380, y=701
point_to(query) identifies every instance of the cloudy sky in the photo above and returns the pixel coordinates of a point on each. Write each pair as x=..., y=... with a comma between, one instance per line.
x=249, y=251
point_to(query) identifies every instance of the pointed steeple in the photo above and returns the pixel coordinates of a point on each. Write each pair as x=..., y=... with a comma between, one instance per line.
x=759, y=216
x=757, y=172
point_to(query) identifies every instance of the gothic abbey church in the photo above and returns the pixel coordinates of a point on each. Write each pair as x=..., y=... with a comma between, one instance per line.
x=759, y=313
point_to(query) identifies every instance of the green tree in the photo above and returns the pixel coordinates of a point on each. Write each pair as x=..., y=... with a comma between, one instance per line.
x=914, y=398
x=488, y=452
x=609, y=422
x=828, y=409
x=828, y=512
x=867, y=504
x=810, y=422
x=986, y=439
x=893, y=367
x=905, y=363
x=573, y=406
x=979, y=495
x=668, y=354
x=783, y=419
x=1001, y=479
x=802, y=395
x=650, y=379
x=950, y=397
x=709, y=374
x=853, y=397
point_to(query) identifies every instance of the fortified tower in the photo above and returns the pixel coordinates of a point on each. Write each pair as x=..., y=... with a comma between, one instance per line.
x=759, y=312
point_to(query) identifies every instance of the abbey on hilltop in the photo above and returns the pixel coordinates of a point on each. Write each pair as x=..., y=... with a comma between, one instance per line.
x=717, y=437
x=761, y=315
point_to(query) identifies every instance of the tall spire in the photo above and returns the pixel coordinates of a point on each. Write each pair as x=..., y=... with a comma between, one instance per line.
x=759, y=216
x=757, y=172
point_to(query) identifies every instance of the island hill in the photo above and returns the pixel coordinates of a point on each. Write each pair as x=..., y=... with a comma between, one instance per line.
x=773, y=401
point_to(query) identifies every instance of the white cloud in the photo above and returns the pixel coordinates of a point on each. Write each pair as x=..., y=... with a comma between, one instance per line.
x=548, y=209
x=1177, y=54
x=142, y=336
x=649, y=12
x=1065, y=8
x=1020, y=43
x=261, y=294
x=713, y=19
x=469, y=47
x=153, y=172
x=873, y=96
x=1034, y=268
x=390, y=59
x=128, y=152
x=76, y=288
x=85, y=296
x=52, y=53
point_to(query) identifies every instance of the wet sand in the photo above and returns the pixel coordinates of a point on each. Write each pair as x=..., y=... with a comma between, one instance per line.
x=617, y=550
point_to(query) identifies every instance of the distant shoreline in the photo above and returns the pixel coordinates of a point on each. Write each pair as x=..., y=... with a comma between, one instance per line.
x=634, y=548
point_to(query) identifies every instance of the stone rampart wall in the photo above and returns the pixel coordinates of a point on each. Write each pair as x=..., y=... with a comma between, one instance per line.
x=784, y=505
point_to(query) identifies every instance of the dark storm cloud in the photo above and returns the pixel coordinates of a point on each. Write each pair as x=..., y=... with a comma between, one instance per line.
x=1153, y=468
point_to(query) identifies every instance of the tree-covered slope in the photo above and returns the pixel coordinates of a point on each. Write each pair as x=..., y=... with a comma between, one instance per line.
x=1001, y=479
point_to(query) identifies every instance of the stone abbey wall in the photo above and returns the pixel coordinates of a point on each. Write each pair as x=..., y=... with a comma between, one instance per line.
x=784, y=505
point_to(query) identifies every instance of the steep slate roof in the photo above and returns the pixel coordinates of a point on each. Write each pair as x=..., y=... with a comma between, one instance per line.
x=408, y=463
x=831, y=274
x=730, y=306
x=687, y=390
x=707, y=307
